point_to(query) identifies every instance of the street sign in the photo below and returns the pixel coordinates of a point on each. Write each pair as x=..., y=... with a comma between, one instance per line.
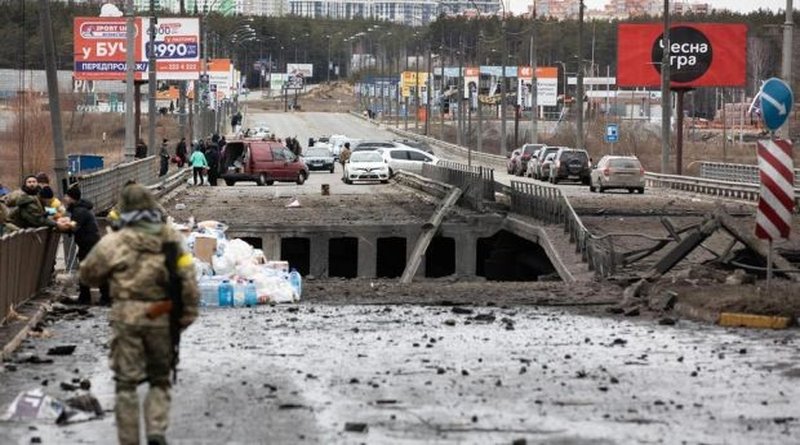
x=777, y=102
x=776, y=201
x=612, y=133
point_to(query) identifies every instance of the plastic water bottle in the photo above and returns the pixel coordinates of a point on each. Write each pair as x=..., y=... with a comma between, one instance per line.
x=238, y=294
x=296, y=280
x=225, y=294
x=208, y=292
x=250, y=294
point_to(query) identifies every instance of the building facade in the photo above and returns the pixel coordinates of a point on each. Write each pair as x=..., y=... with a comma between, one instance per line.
x=408, y=12
x=271, y=8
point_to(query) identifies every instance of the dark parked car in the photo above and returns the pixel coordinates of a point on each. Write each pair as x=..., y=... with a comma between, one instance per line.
x=319, y=158
x=571, y=164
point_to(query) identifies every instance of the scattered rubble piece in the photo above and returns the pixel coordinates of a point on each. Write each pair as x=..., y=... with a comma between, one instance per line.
x=356, y=427
x=62, y=350
x=36, y=405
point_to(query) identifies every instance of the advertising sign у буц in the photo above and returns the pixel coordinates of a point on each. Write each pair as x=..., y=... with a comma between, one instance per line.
x=100, y=48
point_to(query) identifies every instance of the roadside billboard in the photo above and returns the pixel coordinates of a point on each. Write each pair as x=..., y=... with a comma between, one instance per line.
x=298, y=73
x=277, y=81
x=177, y=47
x=546, y=86
x=220, y=78
x=100, y=48
x=701, y=55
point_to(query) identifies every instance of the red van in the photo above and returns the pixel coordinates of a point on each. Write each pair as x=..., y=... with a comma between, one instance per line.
x=263, y=162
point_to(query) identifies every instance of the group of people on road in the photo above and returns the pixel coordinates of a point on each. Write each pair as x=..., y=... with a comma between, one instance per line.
x=144, y=274
x=35, y=205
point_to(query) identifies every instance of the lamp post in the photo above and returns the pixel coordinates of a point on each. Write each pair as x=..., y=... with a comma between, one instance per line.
x=666, y=106
x=564, y=75
x=329, y=59
x=579, y=86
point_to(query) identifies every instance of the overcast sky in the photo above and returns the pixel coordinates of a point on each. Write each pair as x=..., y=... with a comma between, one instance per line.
x=735, y=5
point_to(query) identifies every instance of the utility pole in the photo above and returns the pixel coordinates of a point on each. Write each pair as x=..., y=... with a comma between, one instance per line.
x=666, y=105
x=52, y=92
x=534, y=82
x=430, y=93
x=503, y=144
x=460, y=101
x=151, y=82
x=579, y=89
x=130, y=81
x=182, y=91
x=479, y=143
x=786, y=65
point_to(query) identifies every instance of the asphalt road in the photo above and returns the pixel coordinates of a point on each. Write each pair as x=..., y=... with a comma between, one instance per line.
x=298, y=374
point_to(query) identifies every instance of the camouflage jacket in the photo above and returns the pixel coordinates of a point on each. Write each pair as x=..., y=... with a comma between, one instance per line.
x=132, y=262
x=29, y=213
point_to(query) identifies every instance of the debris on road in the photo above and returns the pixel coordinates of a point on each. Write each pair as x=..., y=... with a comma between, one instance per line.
x=62, y=350
x=36, y=405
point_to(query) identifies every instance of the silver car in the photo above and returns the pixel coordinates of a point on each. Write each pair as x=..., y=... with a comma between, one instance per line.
x=617, y=172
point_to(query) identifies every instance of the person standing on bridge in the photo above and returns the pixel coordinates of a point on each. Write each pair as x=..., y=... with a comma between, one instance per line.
x=199, y=165
x=28, y=211
x=87, y=234
x=163, y=155
x=212, y=157
x=344, y=156
x=180, y=153
x=155, y=295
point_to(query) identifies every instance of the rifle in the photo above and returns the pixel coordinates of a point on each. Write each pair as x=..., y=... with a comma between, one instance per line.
x=175, y=292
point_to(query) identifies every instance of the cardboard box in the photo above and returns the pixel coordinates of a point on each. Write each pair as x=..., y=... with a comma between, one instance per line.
x=204, y=248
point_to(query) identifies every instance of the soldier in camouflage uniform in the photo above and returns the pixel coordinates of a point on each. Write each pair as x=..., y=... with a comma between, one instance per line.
x=132, y=261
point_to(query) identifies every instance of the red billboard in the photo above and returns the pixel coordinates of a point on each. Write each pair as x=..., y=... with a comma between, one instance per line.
x=701, y=55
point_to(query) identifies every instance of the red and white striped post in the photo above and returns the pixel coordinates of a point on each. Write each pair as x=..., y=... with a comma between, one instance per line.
x=776, y=200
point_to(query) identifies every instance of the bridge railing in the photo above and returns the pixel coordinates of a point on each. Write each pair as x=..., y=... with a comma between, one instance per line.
x=548, y=204
x=740, y=173
x=477, y=183
x=103, y=187
x=27, y=260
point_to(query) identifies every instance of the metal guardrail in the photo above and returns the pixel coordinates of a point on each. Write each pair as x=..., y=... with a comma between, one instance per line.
x=477, y=183
x=27, y=259
x=740, y=173
x=102, y=188
x=712, y=187
x=548, y=204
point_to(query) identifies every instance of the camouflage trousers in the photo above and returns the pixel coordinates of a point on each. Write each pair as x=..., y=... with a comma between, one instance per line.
x=141, y=354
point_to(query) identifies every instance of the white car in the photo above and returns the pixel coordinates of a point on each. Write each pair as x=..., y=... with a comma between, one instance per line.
x=366, y=166
x=407, y=158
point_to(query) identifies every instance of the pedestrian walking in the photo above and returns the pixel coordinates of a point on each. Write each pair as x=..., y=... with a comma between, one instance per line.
x=86, y=233
x=163, y=155
x=155, y=298
x=180, y=152
x=199, y=165
x=212, y=158
x=344, y=156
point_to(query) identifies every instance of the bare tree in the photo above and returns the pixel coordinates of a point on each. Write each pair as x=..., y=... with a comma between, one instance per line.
x=759, y=54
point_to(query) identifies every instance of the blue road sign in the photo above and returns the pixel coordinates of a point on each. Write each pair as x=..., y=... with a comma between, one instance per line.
x=612, y=133
x=777, y=101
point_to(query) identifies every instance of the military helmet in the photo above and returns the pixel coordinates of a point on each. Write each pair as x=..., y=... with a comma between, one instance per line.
x=136, y=197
